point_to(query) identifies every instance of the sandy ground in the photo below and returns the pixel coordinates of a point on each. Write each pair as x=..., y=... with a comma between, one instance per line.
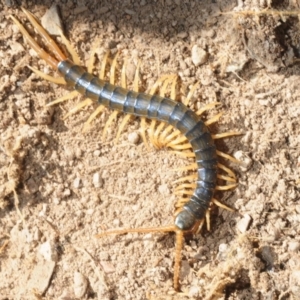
x=59, y=186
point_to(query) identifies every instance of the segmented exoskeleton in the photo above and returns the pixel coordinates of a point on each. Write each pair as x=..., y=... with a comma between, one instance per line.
x=162, y=109
x=152, y=107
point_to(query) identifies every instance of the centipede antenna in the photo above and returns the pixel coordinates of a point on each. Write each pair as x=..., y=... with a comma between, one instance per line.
x=53, y=62
x=49, y=42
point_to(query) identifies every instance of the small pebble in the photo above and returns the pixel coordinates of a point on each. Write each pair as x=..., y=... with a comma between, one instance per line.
x=245, y=160
x=194, y=291
x=294, y=246
x=223, y=248
x=77, y=183
x=97, y=153
x=199, y=56
x=16, y=48
x=133, y=138
x=97, y=180
x=108, y=267
x=222, y=252
x=116, y=222
x=243, y=224
x=80, y=285
x=48, y=251
x=51, y=20
x=163, y=189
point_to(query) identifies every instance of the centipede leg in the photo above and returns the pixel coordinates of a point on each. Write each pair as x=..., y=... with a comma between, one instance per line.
x=71, y=50
x=222, y=205
x=177, y=263
x=136, y=89
x=172, y=80
x=114, y=114
x=161, y=84
x=178, y=243
x=225, y=134
x=57, y=80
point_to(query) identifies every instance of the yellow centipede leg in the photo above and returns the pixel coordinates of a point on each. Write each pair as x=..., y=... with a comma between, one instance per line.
x=207, y=107
x=177, y=264
x=214, y=119
x=218, y=203
x=97, y=111
x=112, y=79
x=225, y=134
x=227, y=156
x=71, y=50
x=77, y=107
x=56, y=80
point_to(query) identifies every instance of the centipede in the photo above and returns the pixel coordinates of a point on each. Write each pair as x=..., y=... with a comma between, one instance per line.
x=189, y=131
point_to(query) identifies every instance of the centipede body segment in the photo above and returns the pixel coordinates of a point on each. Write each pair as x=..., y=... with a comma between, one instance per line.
x=194, y=133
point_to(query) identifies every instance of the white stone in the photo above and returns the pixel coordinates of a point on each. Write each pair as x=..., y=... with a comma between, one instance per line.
x=51, y=21
x=199, y=56
x=133, y=138
x=97, y=180
x=243, y=224
x=77, y=183
x=80, y=285
x=245, y=160
x=48, y=251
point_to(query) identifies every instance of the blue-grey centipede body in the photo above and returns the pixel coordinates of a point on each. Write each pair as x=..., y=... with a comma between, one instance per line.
x=162, y=109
